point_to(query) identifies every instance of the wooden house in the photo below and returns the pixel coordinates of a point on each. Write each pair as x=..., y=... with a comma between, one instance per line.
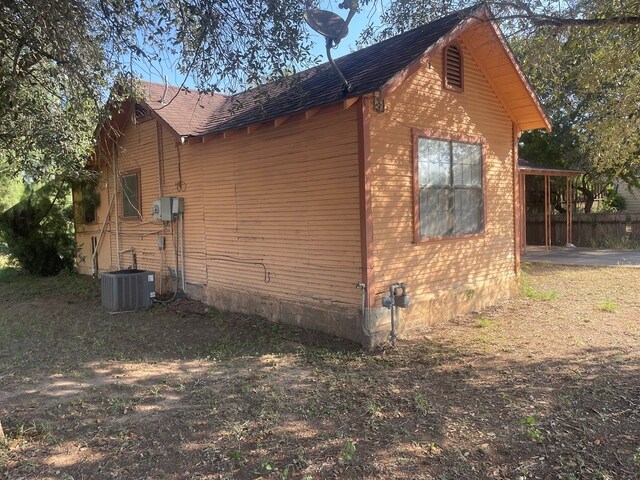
x=631, y=196
x=294, y=193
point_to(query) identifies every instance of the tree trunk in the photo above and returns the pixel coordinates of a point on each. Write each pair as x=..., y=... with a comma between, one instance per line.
x=589, y=196
x=588, y=201
x=1, y=432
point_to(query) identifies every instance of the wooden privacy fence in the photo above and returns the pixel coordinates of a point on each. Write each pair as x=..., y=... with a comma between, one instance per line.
x=588, y=229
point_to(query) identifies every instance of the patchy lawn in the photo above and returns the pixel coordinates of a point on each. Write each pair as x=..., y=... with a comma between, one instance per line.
x=544, y=386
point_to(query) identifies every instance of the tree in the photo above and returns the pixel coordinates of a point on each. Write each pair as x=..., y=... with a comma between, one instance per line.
x=11, y=190
x=589, y=83
x=61, y=57
x=38, y=230
x=517, y=15
x=582, y=59
x=51, y=78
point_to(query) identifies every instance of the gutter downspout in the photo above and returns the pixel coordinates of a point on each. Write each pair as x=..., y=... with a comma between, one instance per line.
x=367, y=282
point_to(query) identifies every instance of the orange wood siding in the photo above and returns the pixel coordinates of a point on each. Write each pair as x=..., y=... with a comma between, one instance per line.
x=286, y=197
x=85, y=232
x=139, y=152
x=182, y=177
x=502, y=73
x=431, y=269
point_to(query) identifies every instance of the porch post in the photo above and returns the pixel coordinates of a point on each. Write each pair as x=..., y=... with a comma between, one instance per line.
x=547, y=212
x=523, y=217
x=569, y=212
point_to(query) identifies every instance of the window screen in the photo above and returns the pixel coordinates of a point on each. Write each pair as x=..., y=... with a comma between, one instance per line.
x=449, y=188
x=130, y=195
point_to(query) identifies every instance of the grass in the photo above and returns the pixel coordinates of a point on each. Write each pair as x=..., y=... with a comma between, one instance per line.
x=616, y=243
x=532, y=292
x=607, y=306
x=483, y=322
x=539, y=295
x=421, y=404
x=177, y=388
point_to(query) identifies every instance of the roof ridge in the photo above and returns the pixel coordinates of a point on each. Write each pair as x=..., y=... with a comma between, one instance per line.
x=182, y=88
x=459, y=13
x=368, y=69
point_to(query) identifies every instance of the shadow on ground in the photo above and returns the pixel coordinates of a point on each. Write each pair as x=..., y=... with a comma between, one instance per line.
x=187, y=392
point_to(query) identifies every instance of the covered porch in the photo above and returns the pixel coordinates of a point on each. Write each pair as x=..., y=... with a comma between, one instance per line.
x=525, y=169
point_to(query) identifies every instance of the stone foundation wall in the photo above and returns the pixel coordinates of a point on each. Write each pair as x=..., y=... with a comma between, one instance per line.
x=375, y=326
x=336, y=320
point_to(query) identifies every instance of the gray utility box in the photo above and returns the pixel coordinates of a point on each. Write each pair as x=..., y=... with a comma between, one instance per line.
x=167, y=209
x=125, y=290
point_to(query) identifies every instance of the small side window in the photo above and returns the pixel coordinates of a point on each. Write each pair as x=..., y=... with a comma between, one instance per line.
x=453, y=68
x=130, y=185
x=90, y=202
x=86, y=201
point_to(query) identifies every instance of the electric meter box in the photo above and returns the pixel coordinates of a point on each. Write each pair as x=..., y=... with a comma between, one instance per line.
x=167, y=208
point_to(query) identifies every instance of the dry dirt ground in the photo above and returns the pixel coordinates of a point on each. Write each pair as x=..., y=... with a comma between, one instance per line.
x=544, y=386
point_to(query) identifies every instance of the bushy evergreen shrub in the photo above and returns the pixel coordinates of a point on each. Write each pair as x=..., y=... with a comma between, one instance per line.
x=38, y=231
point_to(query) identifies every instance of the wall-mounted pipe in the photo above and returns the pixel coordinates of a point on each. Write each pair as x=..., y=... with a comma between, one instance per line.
x=363, y=286
x=392, y=302
x=134, y=257
x=181, y=220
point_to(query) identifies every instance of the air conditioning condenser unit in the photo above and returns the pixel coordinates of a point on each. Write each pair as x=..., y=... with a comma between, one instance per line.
x=125, y=290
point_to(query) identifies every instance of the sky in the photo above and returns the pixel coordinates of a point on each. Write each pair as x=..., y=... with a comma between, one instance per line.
x=358, y=23
x=370, y=14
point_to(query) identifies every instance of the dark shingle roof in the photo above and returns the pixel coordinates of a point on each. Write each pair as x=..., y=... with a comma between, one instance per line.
x=368, y=70
x=185, y=111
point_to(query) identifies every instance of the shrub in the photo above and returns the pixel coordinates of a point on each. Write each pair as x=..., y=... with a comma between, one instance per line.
x=38, y=232
x=613, y=202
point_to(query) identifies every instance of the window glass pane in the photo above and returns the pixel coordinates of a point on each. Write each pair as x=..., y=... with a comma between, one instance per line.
x=467, y=160
x=450, y=188
x=435, y=211
x=130, y=206
x=434, y=162
x=89, y=202
x=468, y=211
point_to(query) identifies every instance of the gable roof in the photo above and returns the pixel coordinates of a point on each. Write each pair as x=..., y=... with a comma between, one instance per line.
x=370, y=69
x=184, y=111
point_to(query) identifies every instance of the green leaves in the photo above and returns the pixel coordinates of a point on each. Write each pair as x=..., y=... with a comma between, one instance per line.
x=38, y=231
x=60, y=59
x=589, y=82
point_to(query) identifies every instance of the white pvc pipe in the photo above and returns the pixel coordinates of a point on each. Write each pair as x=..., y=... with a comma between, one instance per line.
x=99, y=242
x=181, y=218
x=115, y=186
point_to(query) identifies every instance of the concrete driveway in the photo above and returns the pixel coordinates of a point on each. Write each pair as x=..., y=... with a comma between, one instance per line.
x=582, y=256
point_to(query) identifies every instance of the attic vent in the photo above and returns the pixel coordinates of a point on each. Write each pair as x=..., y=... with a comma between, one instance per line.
x=453, y=68
x=142, y=114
